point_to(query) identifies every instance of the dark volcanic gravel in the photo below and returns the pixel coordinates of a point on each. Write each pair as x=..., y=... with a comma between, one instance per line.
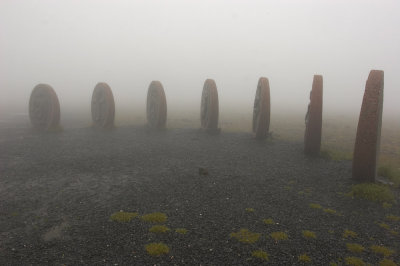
x=58, y=191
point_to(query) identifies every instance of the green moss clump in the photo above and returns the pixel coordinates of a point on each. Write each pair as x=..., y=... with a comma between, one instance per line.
x=277, y=236
x=382, y=250
x=354, y=261
x=304, y=258
x=332, y=263
x=355, y=248
x=309, y=234
x=181, y=231
x=386, y=205
x=330, y=211
x=260, y=254
x=373, y=192
x=315, y=206
x=384, y=225
x=249, y=209
x=246, y=236
x=157, y=249
x=387, y=262
x=156, y=217
x=268, y=221
x=349, y=233
x=123, y=217
x=159, y=229
x=393, y=218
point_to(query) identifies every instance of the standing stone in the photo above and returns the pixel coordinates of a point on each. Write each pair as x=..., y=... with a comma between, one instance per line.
x=209, y=108
x=103, y=106
x=312, y=135
x=44, y=108
x=156, y=107
x=261, y=109
x=368, y=137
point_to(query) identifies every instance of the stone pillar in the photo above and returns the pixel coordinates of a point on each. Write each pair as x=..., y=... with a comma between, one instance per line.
x=368, y=137
x=312, y=135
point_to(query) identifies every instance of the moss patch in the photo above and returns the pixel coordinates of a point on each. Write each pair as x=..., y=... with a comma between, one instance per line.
x=268, y=221
x=355, y=248
x=181, y=231
x=387, y=262
x=354, y=261
x=246, y=236
x=386, y=205
x=304, y=258
x=382, y=250
x=315, y=206
x=373, y=192
x=384, y=226
x=157, y=249
x=330, y=211
x=349, y=234
x=393, y=218
x=277, y=236
x=156, y=217
x=260, y=254
x=249, y=210
x=390, y=172
x=309, y=234
x=159, y=229
x=123, y=217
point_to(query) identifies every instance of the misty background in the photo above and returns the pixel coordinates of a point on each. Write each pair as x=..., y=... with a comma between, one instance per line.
x=72, y=45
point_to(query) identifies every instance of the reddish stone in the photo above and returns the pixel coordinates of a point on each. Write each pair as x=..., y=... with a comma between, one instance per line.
x=368, y=138
x=312, y=136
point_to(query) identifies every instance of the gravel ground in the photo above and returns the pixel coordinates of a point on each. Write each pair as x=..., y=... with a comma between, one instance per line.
x=58, y=191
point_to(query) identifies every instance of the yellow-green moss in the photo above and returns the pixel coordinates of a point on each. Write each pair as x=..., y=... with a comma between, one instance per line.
x=387, y=262
x=349, y=233
x=332, y=263
x=260, y=254
x=384, y=225
x=315, y=206
x=268, y=221
x=355, y=248
x=354, y=261
x=304, y=258
x=330, y=211
x=249, y=209
x=386, y=205
x=277, y=236
x=382, y=250
x=393, y=218
x=156, y=217
x=395, y=233
x=181, y=231
x=246, y=236
x=309, y=234
x=390, y=172
x=157, y=249
x=373, y=192
x=159, y=229
x=123, y=216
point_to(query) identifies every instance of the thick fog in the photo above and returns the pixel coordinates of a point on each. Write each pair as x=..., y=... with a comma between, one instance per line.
x=72, y=45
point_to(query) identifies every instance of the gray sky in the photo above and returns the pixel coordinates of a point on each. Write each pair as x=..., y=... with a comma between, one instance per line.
x=72, y=45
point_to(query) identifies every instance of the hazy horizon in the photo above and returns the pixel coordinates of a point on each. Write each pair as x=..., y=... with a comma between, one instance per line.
x=72, y=45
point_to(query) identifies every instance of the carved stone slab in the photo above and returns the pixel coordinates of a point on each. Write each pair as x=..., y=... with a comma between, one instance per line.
x=366, y=149
x=209, y=109
x=312, y=135
x=156, y=108
x=261, y=109
x=103, y=106
x=44, y=107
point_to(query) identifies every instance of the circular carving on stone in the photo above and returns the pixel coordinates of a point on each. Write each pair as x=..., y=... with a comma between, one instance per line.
x=44, y=107
x=103, y=106
x=156, y=108
x=209, y=109
x=261, y=109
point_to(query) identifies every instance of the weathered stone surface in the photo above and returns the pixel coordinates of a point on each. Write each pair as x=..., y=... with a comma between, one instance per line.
x=156, y=108
x=313, y=120
x=366, y=149
x=209, y=109
x=103, y=106
x=261, y=109
x=44, y=107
